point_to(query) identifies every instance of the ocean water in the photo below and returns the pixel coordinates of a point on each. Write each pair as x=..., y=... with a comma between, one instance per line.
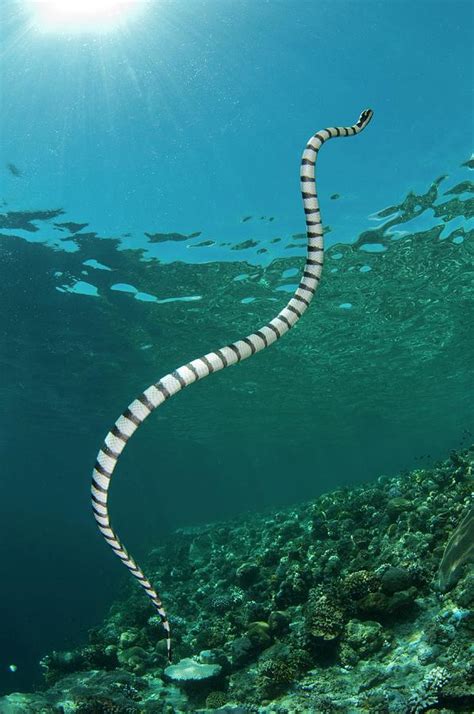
x=151, y=213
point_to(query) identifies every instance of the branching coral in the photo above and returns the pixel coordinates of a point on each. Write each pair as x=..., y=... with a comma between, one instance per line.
x=427, y=694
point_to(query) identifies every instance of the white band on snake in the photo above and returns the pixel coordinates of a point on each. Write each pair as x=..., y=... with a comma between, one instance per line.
x=199, y=368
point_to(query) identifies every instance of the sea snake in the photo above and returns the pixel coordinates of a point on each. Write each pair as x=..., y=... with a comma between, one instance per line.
x=182, y=377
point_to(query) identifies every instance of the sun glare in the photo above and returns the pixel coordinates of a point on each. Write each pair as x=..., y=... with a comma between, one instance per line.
x=82, y=15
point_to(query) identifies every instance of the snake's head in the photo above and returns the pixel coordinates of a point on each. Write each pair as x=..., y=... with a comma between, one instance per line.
x=365, y=117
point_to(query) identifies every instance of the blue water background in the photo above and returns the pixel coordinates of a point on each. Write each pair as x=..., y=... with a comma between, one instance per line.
x=192, y=118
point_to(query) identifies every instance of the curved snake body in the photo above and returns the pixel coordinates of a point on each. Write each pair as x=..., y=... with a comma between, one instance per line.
x=199, y=368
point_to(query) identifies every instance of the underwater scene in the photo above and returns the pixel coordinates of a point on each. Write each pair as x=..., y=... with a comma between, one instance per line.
x=297, y=532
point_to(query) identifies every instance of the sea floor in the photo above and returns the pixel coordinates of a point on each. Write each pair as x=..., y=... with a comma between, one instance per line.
x=358, y=601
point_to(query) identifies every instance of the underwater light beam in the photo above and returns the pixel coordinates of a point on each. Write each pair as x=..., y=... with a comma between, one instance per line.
x=82, y=15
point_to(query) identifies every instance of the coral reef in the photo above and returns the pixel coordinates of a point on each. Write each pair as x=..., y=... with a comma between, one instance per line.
x=332, y=605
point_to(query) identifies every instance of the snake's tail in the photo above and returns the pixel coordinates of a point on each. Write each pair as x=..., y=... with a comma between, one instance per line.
x=199, y=368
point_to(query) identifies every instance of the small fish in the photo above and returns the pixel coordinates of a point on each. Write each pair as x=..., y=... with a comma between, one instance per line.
x=246, y=218
x=335, y=196
x=14, y=170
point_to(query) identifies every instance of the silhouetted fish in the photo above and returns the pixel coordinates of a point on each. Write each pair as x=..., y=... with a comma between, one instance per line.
x=14, y=170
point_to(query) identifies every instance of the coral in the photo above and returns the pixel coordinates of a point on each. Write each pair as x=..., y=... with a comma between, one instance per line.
x=259, y=635
x=395, y=579
x=273, y=676
x=247, y=574
x=241, y=651
x=324, y=618
x=214, y=657
x=379, y=605
x=359, y=583
x=294, y=584
x=217, y=632
x=319, y=530
x=102, y=705
x=199, y=550
x=279, y=623
x=216, y=699
x=458, y=692
x=243, y=687
x=346, y=580
x=361, y=639
x=427, y=694
x=374, y=702
x=326, y=704
x=135, y=659
x=398, y=506
x=128, y=638
x=190, y=672
x=465, y=591
x=221, y=603
x=299, y=659
x=57, y=664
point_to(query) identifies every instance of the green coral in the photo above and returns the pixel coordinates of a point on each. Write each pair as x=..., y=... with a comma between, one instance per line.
x=216, y=699
x=216, y=634
x=361, y=639
x=324, y=618
x=135, y=659
x=57, y=664
x=259, y=635
x=359, y=583
x=299, y=659
x=102, y=705
x=274, y=676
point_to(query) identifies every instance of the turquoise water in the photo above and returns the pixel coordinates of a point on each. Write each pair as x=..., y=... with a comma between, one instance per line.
x=151, y=212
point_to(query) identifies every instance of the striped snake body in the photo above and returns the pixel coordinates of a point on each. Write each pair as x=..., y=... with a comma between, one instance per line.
x=199, y=368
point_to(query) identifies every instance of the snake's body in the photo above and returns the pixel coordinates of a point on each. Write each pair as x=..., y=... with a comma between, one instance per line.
x=199, y=368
